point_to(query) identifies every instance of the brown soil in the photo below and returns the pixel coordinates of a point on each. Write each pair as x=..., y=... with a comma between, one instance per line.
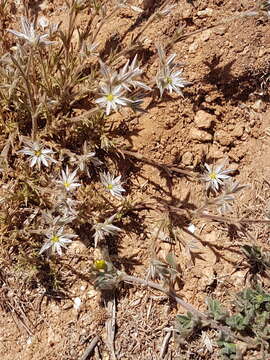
x=228, y=67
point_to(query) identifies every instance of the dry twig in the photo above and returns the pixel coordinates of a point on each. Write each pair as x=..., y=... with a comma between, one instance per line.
x=110, y=325
x=90, y=348
x=165, y=343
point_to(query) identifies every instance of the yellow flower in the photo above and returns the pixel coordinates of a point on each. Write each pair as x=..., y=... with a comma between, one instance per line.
x=100, y=264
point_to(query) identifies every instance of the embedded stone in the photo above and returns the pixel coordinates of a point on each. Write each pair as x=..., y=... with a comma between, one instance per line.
x=187, y=158
x=203, y=120
x=205, y=12
x=205, y=35
x=193, y=47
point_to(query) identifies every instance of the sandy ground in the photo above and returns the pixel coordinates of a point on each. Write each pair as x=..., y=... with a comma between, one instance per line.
x=224, y=114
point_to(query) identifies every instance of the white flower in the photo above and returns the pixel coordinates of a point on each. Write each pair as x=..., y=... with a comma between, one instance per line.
x=172, y=81
x=83, y=160
x=68, y=180
x=112, y=98
x=129, y=73
x=56, y=240
x=215, y=176
x=105, y=228
x=167, y=78
x=38, y=154
x=29, y=34
x=113, y=185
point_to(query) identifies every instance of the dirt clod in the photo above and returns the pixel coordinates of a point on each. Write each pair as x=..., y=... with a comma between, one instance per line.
x=200, y=135
x=238, y=131
x=203, y=120
x=187, y=158
x=223, y=137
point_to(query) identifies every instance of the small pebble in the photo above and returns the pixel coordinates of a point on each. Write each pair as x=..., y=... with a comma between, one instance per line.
x=193, y=47
x=77, y=303
x=205, y=12
x=205, y=35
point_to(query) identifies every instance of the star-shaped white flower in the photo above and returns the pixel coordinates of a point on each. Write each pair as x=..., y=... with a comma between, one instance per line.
x=29, y=34
x=68, y=180
x=56, y=240
x=167, y=78
x=215, y=176
x=171, y=81
x=38, y=154
x=112, y=184
x=112, y=98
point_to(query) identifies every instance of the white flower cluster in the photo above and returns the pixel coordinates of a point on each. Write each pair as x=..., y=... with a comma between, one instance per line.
x=167, y=78
x=114, y=85
x=30, y=34
x=68, y=181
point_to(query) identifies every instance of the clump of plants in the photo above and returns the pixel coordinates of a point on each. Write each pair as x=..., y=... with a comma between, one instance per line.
x=51, y=158
x=62, y=94
x=244, y=328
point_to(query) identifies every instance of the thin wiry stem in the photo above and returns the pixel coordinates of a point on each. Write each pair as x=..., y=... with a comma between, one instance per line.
x=150, y=20
x=30, y=96
x=185, y=305
x=165, y=167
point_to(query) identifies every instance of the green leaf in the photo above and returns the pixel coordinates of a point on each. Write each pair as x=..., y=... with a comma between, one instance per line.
x=170, y=258
x=215, y=309
x=186, y=324
x=237, y=322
